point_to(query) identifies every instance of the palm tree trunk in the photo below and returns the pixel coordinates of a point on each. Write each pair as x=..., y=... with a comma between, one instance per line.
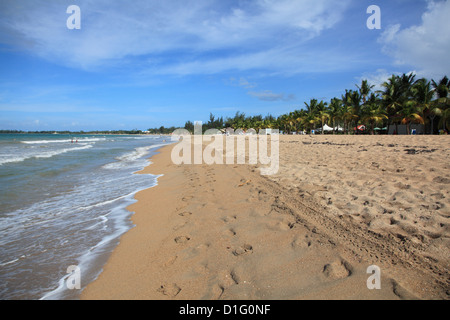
x=432, y=122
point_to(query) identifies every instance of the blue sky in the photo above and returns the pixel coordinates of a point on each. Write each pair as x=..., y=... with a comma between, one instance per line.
x=142, y=64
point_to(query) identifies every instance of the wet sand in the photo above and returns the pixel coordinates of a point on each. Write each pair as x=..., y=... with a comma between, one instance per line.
x=337, y=205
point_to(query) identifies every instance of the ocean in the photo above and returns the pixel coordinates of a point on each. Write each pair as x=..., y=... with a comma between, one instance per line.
x=63, y=203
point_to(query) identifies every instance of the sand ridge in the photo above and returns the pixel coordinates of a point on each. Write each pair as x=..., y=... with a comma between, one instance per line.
x=308, y=232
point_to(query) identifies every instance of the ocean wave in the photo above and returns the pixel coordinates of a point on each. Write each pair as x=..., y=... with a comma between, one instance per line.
x=128, y=158
x=80, y=140
x=41, y=155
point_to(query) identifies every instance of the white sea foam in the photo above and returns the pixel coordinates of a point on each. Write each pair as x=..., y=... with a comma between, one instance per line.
x=57, y=152
x=74, y=140
x=127, y=158
x=39, y=154
x=9, y=262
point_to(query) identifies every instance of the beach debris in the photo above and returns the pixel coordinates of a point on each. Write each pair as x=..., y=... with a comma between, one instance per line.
x=244, y=183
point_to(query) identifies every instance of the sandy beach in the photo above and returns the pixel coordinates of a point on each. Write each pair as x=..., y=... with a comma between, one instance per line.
x=337, y=205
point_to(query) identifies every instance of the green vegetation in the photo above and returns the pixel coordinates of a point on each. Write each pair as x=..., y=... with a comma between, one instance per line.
x=402, y=100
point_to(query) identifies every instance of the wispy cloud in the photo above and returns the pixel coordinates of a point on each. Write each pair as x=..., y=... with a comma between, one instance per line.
x=202, y=34
x=268, y=95
x=425, y=46
x=241, y=82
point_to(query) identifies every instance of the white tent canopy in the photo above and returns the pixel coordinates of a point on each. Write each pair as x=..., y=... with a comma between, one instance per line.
x=325, y=128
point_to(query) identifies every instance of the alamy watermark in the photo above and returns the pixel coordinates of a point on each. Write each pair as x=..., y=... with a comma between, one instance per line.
x=374, y=21
x=228, y=147
x=74, y=20
x=73, y=280
x=374, y=281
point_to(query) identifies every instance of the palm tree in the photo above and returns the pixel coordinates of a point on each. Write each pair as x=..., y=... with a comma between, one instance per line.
x=284, y=123
x=397, y=93
x=322, y=113
x=298, y=116
x=391, y=93
x=445, y=117
x=374, y=112
x=355, y=98
x=312, y=106
x=334, y=110
x=351, y=111
x=423, y=95
x=310, y=118
x=292, y=119
x=409, y=114
x=364, y=90
x=270, y=122
x=442, y=103
x=442, y=88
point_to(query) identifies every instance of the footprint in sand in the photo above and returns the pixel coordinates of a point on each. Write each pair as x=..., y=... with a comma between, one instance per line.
x=171, y=261
x=337, y=270
x=187, y=198
x=230, y=232
x=302, y=243
x=229, y=219
x=170, y=290
x=179, y=226
x=401, y=292
x=246, y=248
x=182, y=239
x=185, y=214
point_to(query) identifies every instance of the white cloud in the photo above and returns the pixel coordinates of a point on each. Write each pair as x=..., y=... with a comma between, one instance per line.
x=245, y=84
x=241, y=82
x=176, y=36
x=426, y=46
x=268, y=95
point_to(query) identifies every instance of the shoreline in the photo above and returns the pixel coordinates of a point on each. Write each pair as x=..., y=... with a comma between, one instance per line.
x=225, y=232
x=91, y=263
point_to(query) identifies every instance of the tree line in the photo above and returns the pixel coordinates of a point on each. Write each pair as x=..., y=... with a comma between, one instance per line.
x=403, y=99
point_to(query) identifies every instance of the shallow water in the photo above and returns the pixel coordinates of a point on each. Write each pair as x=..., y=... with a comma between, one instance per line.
x=63, y=202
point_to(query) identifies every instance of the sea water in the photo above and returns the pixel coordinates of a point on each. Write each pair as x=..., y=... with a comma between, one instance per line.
x=63, y=202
